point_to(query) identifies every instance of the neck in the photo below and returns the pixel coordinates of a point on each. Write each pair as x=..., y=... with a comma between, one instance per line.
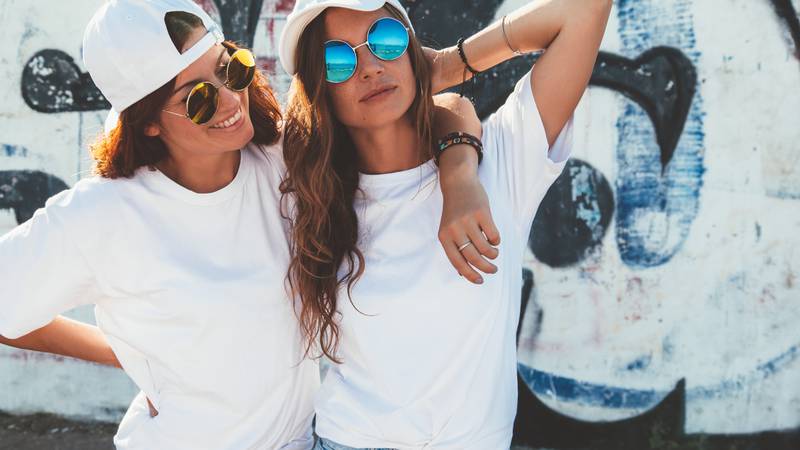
x=201, y=173
x=387, y=149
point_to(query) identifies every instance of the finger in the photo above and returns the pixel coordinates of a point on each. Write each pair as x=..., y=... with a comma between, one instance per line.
x=478, y=261
x=486, y=222
x=480, y=241
x=460, y=263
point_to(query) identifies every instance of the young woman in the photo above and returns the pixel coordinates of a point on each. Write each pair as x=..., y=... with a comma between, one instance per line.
x=179, y=241
x=426, y=359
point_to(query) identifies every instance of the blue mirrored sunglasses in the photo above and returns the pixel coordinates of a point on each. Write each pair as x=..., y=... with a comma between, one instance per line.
x=387, y=39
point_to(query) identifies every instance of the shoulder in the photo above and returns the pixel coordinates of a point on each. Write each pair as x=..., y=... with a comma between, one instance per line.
x=89, y=201
x=268, y=156
x=87, y=191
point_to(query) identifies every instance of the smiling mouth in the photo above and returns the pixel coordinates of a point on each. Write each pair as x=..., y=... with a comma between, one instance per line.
x=230, y=121
x=379, y=93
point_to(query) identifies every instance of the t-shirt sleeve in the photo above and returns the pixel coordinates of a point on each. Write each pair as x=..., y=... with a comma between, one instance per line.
x=523, y=164
x=42, y=272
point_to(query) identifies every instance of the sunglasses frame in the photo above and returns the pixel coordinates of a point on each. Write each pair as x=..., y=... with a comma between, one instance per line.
x=215, y=86
x=355, y=67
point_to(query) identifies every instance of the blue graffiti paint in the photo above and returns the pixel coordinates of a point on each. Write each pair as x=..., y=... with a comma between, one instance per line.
x=570, y=390
x=784, y=194
x=656, y=206
x=639, y=364
x=13, y=150
x=593, y=394
x=761, y=372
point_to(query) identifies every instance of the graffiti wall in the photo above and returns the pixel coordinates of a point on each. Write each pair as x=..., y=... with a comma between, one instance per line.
x=662, y=268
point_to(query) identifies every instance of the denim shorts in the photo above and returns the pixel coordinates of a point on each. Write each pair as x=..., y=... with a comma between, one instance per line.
x=324, y=444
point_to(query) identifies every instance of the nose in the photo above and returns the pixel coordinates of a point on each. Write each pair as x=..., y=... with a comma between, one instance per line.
x=229, y=99
x=368, y=64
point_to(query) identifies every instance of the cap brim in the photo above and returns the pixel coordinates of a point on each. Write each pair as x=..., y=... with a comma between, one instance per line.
x=296, y=25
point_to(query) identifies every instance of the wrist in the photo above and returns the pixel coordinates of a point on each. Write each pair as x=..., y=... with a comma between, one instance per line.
x=452, y=68
x=457, y=166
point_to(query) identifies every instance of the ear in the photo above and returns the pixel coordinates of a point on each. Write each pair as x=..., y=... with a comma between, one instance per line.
x=152, y=130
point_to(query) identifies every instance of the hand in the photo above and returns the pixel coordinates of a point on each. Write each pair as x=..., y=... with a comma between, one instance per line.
x=466, y=217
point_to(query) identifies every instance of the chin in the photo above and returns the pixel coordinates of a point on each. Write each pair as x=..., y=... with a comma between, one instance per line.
x=243, y=136
x=246, y=135
x=385, y=117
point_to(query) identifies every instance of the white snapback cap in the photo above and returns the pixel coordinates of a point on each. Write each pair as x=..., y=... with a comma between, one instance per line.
x=306, y=11
x=129, y=54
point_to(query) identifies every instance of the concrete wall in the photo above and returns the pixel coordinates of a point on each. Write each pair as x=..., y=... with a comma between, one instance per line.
x=663, y=264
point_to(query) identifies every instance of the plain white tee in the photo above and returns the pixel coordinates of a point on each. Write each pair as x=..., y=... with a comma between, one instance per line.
x=429, y=359
x=189, y=290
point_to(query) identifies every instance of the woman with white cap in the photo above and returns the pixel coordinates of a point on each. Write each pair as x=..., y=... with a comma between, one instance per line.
x=179, y=241
x=424, y=359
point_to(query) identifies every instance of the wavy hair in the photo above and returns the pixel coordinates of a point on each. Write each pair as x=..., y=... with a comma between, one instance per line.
x=322, y=181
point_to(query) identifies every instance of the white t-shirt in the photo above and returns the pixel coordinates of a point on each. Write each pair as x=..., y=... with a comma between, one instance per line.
x=429, y=359
x=189, y=290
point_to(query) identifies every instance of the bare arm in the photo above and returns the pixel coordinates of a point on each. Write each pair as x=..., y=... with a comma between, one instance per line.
x=68, y=337
x=569, y=30
x=466, y=215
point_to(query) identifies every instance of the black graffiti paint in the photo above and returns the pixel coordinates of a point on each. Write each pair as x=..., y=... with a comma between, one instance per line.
x=24, y=191
x=660, y=428
x=239, y=19
x=573, y=217
x=441, y=22
x=555, y=430
x=53, y=83
x=662, y=81
x=787, y=12
x=527, y=290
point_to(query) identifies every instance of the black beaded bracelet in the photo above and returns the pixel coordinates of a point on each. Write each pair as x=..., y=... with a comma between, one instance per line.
x=459, y=138
x=463, y=56
x=475, y=73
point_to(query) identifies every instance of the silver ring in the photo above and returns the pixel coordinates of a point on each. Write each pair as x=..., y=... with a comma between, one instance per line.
x=464, y=245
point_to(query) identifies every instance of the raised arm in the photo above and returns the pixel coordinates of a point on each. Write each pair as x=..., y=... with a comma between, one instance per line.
x=569, y=31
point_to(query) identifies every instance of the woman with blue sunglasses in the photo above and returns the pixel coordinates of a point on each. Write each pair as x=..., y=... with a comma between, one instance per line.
x=422, y=359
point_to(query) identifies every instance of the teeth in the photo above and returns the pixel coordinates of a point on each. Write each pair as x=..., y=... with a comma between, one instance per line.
x=230, y=121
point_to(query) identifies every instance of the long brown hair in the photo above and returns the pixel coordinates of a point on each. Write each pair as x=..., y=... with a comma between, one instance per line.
x=126, y=148
x=322, y=180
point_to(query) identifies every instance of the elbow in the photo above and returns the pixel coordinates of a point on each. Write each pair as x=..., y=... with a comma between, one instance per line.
x=452, y=110
x=590, y=14
x=454, y=103
x=601, y=8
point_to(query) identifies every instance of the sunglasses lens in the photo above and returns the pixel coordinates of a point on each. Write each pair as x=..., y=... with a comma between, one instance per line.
x=202, y=103
x=241, y=70
x=340, y=61
x=388, y=39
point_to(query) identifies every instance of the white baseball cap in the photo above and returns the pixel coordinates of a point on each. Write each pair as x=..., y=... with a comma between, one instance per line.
x=306, y=11
x=129, y=54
